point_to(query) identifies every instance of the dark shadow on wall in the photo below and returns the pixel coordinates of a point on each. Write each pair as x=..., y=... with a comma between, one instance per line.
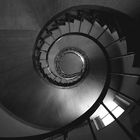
x=134, y=118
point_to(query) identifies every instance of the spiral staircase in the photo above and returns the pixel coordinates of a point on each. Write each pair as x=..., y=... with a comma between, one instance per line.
x=81, y=76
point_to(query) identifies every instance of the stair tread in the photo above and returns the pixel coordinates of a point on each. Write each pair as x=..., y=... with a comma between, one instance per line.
x=85, y=26
x=96, y=30
x=125, y=65
x=64, y=28
x=126, y=81
x=117, y=49
x=74, y=27
x=49, y=40
x=106, y=39
x=43, y=63
x=56, y=33
x=43, y=55
x=115, y=35
x=45, y=47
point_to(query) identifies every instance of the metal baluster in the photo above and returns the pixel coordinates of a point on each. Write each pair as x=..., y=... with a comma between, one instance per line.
x=91, y=129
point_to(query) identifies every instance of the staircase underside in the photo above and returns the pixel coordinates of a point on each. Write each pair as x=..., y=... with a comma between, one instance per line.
x=33, y=101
